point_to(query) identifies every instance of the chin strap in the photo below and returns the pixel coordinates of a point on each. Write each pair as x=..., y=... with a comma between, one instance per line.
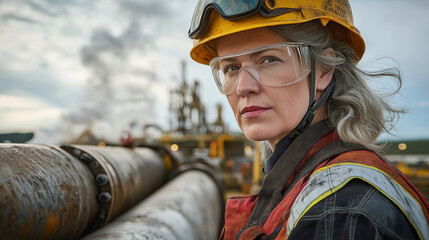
x=313, y=104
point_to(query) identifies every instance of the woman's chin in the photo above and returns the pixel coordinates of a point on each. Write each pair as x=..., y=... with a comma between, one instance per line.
x=260, y=135
x=264, y=134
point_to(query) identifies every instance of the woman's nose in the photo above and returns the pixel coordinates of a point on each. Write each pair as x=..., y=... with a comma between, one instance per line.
x=248, y=81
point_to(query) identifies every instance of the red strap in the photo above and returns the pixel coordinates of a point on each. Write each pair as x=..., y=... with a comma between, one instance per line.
x=252, y=233
x=323, y=142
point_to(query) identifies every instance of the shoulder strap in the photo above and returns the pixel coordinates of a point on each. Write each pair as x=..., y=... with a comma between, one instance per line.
x=328, y=152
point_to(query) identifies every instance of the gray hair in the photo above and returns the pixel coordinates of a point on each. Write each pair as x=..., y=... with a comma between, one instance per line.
x=359, y=114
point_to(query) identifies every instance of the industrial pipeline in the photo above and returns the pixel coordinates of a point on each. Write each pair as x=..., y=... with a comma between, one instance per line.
x=73, y=192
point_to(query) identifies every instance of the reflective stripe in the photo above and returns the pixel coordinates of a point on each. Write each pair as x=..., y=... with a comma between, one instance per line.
x=330, y=179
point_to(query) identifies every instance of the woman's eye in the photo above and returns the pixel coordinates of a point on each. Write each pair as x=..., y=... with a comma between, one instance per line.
x=230, y=69
x=270, y=59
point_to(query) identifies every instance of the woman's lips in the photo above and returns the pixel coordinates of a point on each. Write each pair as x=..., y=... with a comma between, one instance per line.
x=253, y=111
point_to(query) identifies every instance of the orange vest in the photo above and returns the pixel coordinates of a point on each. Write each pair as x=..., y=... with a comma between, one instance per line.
x=357, y=164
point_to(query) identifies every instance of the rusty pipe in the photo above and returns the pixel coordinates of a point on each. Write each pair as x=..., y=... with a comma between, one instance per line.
x=124, y=176
x=44, y=193
x=188, y=207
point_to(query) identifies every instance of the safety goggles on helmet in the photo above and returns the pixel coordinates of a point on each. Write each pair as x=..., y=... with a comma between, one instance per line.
x=275, y=65
x=229, y=10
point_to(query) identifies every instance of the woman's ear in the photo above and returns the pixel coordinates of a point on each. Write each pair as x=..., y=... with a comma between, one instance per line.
x=324, y=73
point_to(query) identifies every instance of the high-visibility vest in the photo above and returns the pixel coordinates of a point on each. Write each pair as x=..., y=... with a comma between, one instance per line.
x=329, y=177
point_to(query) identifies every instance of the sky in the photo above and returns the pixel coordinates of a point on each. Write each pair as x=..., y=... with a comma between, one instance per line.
x=108, y=65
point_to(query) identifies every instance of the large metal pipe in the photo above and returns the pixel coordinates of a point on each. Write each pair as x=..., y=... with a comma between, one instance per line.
x=123, y=176
x=44, y=193
x=188, y=207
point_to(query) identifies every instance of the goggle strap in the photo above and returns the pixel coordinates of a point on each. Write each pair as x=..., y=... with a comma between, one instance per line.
x=324, y=96
x=314, y=105
x=312, y=82
x=309, y=115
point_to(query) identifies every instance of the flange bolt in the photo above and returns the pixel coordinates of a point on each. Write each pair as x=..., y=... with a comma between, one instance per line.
x=104, y=197
x=101, y=179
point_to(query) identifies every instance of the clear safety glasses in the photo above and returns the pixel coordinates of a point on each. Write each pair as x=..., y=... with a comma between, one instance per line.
x=229, y=10
x=274, y=65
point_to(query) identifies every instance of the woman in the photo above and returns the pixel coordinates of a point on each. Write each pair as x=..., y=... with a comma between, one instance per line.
x=288, y=69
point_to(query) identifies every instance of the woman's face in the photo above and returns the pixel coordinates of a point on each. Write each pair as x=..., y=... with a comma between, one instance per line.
x=263, y=112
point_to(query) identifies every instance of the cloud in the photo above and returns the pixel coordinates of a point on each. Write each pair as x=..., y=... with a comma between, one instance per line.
x=40, y=85
x=10, y=16
x=112, y=98
x=90, y=60
x=16, y=112
x=39, y=8
x=143, y=9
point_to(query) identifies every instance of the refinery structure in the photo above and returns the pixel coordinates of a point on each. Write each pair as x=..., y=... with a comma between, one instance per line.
x=198, y=140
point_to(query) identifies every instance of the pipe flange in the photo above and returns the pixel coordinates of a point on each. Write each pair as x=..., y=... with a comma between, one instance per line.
x=103, y=180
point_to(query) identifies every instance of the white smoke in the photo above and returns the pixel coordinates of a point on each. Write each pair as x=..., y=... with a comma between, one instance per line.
x=120, y=93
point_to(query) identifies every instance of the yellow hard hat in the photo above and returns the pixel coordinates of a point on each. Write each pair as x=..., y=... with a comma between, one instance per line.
x=235, y=16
